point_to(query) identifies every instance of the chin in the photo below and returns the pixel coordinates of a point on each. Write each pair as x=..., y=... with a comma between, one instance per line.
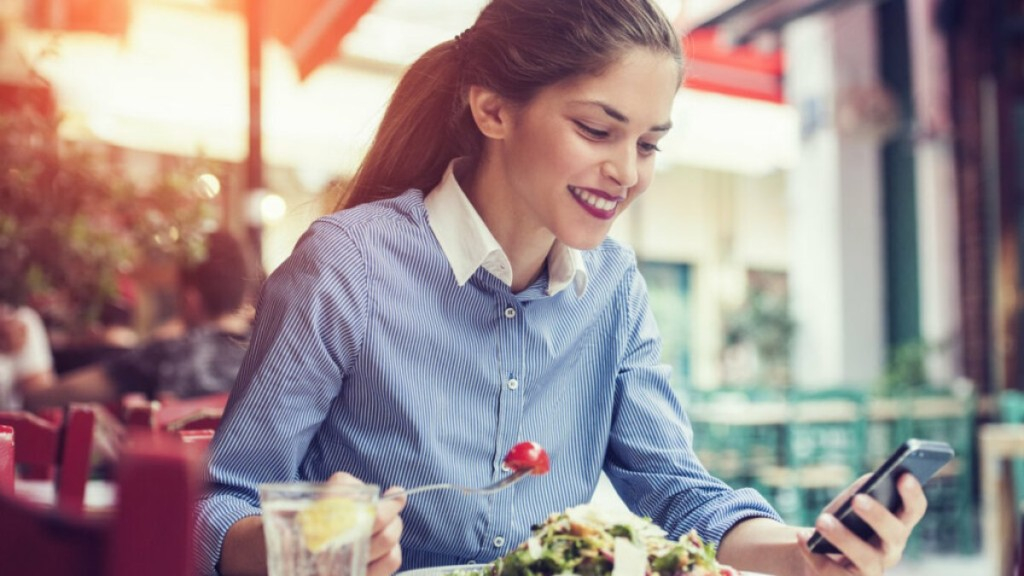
x=584, y=242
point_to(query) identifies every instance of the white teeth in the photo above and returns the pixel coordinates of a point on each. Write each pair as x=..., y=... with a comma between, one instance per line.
x=592, y=199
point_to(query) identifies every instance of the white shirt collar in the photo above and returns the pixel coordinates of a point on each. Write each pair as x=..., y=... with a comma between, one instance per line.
x=468, y=244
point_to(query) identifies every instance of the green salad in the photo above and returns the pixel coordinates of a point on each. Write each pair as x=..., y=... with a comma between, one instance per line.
x=592, y=542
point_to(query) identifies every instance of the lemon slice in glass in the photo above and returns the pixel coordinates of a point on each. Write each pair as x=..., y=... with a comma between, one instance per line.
x=333, y=521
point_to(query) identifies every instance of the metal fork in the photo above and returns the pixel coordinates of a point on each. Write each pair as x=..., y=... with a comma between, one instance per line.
x=489, y=489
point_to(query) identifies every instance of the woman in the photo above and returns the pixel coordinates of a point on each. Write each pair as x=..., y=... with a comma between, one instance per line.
x=467, y=298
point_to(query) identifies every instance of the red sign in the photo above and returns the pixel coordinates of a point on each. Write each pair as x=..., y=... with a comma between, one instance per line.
x=743, y=71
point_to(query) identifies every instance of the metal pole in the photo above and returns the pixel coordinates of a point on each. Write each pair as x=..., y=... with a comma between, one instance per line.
x=254, y=163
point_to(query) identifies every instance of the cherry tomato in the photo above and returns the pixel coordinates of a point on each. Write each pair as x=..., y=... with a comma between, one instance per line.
x=528, y=456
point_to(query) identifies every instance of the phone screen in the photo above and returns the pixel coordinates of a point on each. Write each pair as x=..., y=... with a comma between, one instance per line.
x=922, y=458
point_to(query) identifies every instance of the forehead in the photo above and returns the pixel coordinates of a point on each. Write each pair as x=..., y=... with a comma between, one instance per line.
x=641, y=84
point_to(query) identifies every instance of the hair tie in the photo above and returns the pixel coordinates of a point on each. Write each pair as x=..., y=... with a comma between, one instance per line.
x=462, y=39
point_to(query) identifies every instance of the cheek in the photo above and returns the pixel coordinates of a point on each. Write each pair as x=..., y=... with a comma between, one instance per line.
x=644, y=178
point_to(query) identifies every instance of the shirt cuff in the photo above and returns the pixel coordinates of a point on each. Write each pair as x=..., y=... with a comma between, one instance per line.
x=214, y=516
x=741, y=505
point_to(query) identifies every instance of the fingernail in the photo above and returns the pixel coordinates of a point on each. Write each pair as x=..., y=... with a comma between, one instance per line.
x=826, y=521
x=861, y=502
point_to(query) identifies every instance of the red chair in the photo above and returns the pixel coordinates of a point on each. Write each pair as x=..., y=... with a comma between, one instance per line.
x=150, y=531
x=43, y=447
x=137, y=411
x=38, y=440
x=6, y=459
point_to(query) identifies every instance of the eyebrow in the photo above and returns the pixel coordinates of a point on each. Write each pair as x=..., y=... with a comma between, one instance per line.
x=615, y=114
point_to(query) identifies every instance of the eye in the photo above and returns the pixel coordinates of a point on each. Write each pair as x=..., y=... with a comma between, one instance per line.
x=590, y=130
x=647, y=147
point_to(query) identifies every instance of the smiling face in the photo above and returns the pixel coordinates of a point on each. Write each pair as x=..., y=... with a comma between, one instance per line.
x=572, y=159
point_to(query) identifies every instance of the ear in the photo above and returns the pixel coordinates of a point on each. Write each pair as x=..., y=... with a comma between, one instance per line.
x=490, y=112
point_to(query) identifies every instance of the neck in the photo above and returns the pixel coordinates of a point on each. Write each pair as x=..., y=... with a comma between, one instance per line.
x=523, y=240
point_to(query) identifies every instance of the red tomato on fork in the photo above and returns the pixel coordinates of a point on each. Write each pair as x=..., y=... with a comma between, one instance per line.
x=528, y=456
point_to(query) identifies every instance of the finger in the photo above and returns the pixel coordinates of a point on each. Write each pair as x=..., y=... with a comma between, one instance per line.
x=820, y=563
x=914, y=501
x=864, y=557
x=845, y=494
x=388, y=509
x=384, y=540
x=386, y=565
x=892, y=532
x=343, y=478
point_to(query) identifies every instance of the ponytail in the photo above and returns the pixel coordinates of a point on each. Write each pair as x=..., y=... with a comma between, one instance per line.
x=427, y=123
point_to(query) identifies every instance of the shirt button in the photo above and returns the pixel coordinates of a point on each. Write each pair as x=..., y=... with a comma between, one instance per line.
x=471, y=562
x=510, y=312
x=505, y=467
x=499, y=541
x=513, y=384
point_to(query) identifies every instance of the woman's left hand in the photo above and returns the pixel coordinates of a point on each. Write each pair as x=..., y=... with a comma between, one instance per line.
x=860, y=557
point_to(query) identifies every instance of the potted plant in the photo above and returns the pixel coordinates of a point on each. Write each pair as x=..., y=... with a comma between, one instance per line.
x=71, y=222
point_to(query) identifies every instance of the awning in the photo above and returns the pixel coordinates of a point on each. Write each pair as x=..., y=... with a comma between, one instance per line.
x=103, y=16
x=312, y=30
x=743, y=20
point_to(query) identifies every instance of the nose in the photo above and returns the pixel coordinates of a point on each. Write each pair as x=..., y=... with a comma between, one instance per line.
x=621, y=167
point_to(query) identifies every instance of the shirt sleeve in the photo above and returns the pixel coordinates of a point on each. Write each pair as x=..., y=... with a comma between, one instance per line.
x=138, y=369
x=308, y=330
x=650, y=460
x=35, y=356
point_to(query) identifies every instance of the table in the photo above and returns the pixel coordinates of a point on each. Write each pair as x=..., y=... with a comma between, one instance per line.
x=100, y=495
x=997, y=444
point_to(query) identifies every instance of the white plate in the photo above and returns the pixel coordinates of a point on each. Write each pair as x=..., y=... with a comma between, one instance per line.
x=443, y=570
x=455, y=569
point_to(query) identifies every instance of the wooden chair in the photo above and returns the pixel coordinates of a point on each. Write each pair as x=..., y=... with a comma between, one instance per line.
x=43, y=449
x=138, y=411
x=38, y=440
x=149, y=532
x=6, y=459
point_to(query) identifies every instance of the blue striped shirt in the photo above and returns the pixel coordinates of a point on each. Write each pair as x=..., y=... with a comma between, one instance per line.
x=370, y=356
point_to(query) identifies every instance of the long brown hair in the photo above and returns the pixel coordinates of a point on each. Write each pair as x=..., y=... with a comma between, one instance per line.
x=515, y=48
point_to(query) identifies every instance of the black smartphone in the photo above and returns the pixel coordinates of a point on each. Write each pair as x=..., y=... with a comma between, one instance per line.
x=922, y=458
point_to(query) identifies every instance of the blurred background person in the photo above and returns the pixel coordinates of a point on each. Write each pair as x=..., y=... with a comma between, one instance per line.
x=113, y=334
x=203, y=359
x=26, y=362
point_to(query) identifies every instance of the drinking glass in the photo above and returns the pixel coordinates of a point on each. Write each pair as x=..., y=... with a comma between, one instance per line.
x=316, y=529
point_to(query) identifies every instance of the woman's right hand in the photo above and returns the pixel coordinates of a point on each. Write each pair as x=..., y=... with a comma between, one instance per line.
x=385, y=552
